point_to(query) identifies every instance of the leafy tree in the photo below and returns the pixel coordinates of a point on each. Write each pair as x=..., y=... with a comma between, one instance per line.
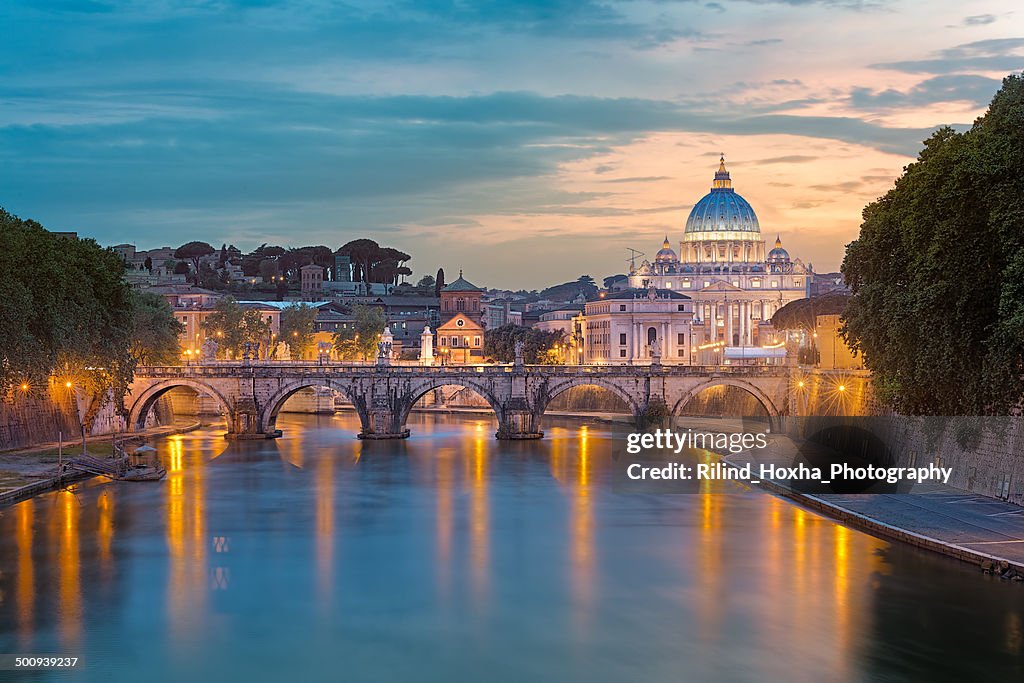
x=363, y=253
x=538, y=345
x=181, y=268
x=155, y=331
x=251, y=261
x=298, y=325
x=148, y=265
x=937, y=273
x=232, y=325
x=359, y=342
x=66, y=313
x=802, y=313
x=426, y=283
x=194, y=251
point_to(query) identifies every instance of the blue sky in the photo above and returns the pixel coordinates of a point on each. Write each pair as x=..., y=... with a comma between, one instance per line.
x=526, y=142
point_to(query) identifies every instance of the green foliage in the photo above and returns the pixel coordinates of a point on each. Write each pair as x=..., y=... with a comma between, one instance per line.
x=193, y=251
x=359, y=342
x=297, y=328
x=801, y=314
x=374, y=263
x=155, y=331
x=66, y=312
x=937, y=272
x=538, y=345
x=232, y=326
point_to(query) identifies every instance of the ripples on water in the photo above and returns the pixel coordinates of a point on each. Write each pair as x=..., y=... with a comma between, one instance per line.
x=455, y=557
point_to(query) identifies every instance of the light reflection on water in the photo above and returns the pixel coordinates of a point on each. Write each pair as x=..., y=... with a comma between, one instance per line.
x=452, y=556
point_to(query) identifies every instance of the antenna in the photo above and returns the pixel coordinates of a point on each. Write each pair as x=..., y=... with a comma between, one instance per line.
x=633, y=256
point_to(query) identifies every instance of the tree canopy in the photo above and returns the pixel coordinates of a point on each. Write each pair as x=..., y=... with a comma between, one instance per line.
x=801, y=314
x=155, y=331
x=937, y=273
x=359, y=342
x=194, y=251
x=538, y=345
x=232, y=325
x=66, y=312
x=298, y=325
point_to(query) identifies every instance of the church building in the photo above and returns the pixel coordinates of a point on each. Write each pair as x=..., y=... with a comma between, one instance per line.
x=735, y=284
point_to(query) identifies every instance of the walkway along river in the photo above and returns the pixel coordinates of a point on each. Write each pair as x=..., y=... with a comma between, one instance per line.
x=453, y=556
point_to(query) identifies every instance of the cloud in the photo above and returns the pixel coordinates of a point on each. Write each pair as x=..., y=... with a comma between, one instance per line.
x=978, y=90
x=980, y=19
x=994, y=54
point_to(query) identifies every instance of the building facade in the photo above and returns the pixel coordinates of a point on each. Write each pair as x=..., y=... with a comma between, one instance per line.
x=638, y=327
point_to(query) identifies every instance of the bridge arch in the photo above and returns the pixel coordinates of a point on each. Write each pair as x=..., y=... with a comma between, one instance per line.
x=763, y=398
x=418, y=390
x=553, y=390
x=147, y=399
x=273, y=406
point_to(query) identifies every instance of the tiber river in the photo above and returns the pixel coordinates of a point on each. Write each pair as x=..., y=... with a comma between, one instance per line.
x=455, y=557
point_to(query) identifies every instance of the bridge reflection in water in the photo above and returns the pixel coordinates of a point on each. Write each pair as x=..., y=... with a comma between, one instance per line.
x=280, y=557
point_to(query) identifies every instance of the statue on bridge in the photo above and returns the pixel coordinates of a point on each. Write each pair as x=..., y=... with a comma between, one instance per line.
x=519, y=348
x=384, y=353
x=208, y=351
x=655, y=352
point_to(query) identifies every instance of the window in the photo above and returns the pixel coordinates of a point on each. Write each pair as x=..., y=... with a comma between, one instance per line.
x=681, y=307
x=686, y=284
x=622, y=307
x=465, y=341
x=460, y=322
x=668, y=285
x=622, y=338
x=476, y=341
x=455, y=341
x=707, y=283
x=755, y=283
x=681, y=338
x=682, y=352
x=797, y=282
x=622, y=353
x=444, y=341
x=735, y=283
x=775, y=283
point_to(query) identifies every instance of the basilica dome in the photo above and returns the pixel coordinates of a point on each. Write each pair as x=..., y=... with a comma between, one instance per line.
x=722, y=210
x=665, y=254
x=778, y=253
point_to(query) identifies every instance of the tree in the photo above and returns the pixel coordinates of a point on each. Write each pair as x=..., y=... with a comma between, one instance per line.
x=148, y=265
x=194, y=251
x=181, y=268
x=232, y=326
x=538, y=345
x=66, y=313
x=251, y=261
x=359, y=342
x=439, y=282
x=298, y=325
x=426, y=283
x=155, y=331
x=937, y=343
x=363, y=253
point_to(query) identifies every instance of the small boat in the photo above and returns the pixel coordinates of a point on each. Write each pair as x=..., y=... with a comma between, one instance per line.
x=143, y=473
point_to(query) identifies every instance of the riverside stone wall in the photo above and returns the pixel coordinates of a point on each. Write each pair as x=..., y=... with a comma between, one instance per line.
x=42, y=416
x=986, y=454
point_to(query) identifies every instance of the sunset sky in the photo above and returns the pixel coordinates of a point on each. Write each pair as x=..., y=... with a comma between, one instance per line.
x=525, y=142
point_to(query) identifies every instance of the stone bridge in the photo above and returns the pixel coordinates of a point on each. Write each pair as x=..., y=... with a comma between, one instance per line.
x=251, y=395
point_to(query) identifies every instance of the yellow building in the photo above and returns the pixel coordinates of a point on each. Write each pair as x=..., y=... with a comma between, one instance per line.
x=833, y=352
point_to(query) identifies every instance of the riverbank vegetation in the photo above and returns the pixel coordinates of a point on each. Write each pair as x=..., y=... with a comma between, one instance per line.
x=69, y=317
x=937, y=273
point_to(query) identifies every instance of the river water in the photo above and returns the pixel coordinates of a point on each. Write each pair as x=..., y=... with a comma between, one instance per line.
x=455, y=557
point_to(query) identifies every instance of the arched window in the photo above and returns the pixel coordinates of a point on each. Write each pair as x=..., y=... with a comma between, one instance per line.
x=652, y=335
